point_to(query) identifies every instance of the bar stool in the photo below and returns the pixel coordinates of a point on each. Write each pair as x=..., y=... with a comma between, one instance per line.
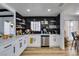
x=76, y=40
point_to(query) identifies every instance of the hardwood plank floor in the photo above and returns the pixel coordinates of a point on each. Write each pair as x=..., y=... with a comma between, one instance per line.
x=48, y=52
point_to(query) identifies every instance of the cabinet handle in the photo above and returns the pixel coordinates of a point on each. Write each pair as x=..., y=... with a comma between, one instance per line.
x=7, y=46
x=20, y=44
x=14, y=49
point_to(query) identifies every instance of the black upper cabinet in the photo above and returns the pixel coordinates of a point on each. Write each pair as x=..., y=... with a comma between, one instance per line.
x=53, y=26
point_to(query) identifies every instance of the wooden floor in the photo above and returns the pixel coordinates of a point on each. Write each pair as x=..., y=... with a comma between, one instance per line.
x=48, y=52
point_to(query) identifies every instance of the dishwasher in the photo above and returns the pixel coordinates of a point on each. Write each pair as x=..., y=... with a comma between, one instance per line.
x=44, y=40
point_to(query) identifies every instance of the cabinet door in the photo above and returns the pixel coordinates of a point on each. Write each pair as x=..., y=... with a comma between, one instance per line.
x=53, y=41
x=20, y=42
x=58, y=40
x=1, y=51
x=21, y=47
x=25, y=41
x=36, y=41
x=16, y=47
x=8, y=50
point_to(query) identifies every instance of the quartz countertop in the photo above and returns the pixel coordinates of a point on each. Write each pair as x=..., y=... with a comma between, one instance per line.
x=6, y=41
x=19, y=36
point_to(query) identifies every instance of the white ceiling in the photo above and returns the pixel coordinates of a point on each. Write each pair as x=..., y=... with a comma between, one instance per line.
x=71, y=8
x=1, y=7
x=36, y=9
x=6, y=12
x=41, y=9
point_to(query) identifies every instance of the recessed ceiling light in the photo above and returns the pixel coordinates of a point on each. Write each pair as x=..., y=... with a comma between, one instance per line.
x=49, y=10
x=28, y=10
x=77, y=13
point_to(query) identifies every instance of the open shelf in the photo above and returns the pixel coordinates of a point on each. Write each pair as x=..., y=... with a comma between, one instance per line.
x=20, y=23
x=48, y=24
x=52, y=26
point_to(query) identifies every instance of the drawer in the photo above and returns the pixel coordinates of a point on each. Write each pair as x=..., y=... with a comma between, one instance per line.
x=7, y=50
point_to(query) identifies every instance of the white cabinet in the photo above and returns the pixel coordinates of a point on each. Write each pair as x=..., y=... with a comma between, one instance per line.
x=21, y=44
x=25, y=41
x=18, y=46
x=1, y=50
x=54, y=40
x=7, y=50
x=36, y=40
x=14, y=47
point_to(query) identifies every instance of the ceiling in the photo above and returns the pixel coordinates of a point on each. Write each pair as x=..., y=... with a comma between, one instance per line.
x=41, y=9
x=37, y=9
x=1, y=7
x=5, y=12
x=71, y=8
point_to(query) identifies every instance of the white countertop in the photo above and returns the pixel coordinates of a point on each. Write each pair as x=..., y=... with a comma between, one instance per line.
x=18, y=36
x=39, y=34
x=9, y=40
x=6, y=41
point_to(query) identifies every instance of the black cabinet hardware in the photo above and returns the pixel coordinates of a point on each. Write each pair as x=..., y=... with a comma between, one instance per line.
x=7, y=46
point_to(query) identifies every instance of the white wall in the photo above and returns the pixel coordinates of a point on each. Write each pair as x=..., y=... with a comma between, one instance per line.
x=64, y=17
x=11, y=12
x=1, y=26
x=2, y=19
x=69, y=28
x=61, y=42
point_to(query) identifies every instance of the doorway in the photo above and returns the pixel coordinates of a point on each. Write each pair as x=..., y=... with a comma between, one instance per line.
x=70, y=26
